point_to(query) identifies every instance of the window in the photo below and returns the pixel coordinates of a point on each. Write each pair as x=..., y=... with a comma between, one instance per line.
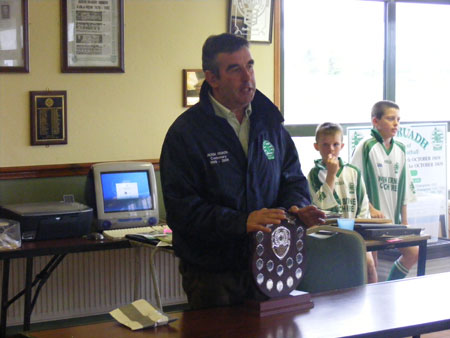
x=341, y=56
x=423, y=61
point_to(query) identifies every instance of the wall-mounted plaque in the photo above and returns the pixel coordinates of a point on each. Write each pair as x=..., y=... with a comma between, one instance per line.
x=48, y=111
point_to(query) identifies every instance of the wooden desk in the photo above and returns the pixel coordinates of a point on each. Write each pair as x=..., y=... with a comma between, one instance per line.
x=400, y=308
x=421, y=241
x=59, y=249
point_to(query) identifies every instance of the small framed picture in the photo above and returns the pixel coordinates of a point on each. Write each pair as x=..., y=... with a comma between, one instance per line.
x=192, y=82
x=92, y=36
x=14, y=36
x=252, y=20
x=48, y=116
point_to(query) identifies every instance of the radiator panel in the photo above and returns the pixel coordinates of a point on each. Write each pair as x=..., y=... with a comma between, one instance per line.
x=93, y=283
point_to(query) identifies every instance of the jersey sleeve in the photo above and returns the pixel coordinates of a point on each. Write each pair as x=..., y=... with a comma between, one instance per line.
x=321, y=194
x=410, y=193
x=357, y=157
x=363, y=199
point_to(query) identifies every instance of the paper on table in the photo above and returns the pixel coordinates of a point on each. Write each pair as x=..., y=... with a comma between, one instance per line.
x=139, y=315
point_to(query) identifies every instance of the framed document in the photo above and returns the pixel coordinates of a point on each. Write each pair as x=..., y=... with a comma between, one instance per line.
x=192, y=82
x=251, y=19
x=14, y=36
x=92, y=36
x=48, y=111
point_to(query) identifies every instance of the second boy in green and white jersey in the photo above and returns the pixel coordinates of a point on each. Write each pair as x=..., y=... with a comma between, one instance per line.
x=382, y=160
x=337, y=186
x=386, y=175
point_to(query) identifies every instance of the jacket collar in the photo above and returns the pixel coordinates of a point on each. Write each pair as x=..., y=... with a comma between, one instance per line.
x=259, y=104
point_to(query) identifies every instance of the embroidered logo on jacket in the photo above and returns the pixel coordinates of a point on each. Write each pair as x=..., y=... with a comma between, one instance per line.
x=219, y=157
x=269, y=150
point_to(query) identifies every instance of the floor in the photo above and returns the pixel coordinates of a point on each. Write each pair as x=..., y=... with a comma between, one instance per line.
x=440, y=334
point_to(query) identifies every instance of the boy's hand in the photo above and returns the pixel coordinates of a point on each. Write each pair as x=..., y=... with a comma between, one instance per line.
x=375, y=213
x=332, y=164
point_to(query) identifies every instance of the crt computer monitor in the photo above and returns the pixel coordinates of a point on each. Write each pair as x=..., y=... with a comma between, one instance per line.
x=125, y=194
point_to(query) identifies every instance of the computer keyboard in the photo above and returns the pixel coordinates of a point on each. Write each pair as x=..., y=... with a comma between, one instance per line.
x=121, y=233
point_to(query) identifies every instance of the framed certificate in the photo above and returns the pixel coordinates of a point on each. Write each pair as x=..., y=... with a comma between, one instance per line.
x=48, y=110
x=92, y=36
x=192, y=83
x=14, y=36
x=251, y=19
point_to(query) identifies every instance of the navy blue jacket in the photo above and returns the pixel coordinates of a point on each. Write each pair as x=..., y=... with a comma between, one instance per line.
x=210, y=187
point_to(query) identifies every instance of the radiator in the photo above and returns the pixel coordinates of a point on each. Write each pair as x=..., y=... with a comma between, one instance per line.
x=93, y=283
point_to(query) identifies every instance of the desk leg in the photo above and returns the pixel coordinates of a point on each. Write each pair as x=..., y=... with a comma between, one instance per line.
x=28, y=287
x=422, y=258
x=137, y=274
x=155, y=277
x=5, y=286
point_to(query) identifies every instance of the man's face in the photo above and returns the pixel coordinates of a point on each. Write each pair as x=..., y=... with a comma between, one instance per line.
x=389, y=123
x=329, y=144
x=235, y=86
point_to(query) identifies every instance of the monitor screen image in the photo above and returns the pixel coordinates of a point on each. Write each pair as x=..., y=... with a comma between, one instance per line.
x=125, y=194
x=126, y=191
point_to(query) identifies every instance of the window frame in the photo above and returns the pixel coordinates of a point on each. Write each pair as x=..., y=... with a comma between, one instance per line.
x=389, y=71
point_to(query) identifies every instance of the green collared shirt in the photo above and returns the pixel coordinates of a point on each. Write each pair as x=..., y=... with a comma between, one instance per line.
x=242, y=130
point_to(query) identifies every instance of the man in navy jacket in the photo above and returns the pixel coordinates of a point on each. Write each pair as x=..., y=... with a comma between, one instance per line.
x=227, y=167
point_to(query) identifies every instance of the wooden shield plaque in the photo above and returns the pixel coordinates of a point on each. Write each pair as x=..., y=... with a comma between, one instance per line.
x=278, y=257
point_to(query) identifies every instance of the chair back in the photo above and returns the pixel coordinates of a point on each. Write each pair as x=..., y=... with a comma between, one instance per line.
x=334, y=260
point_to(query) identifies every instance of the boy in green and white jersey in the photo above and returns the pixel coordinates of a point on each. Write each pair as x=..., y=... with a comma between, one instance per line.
x=337, y=186
x=382, y=161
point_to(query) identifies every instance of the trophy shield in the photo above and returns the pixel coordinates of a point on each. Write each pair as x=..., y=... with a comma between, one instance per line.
x=278, y=257
x=277, y=265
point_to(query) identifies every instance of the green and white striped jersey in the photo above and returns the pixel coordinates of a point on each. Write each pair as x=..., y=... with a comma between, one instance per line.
x=349, y=198
x=386, y=175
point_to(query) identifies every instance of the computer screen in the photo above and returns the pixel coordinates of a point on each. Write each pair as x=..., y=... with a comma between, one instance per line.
x=125, y=194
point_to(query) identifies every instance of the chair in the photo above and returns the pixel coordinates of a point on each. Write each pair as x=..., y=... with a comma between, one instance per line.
x=334, y=260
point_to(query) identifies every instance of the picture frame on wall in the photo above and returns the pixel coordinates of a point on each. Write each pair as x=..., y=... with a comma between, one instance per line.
x=14, y=45
x=48, y=116
x=251, y=19
x=192, y=83
x=92, y=36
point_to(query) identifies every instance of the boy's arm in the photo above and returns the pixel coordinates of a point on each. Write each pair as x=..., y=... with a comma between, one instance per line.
x=404, y=214
x=332, y=165
x=321, y=194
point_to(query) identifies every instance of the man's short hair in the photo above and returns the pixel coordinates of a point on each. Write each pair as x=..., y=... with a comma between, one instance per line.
x=379, y=108
x=215, y=44
x=329, y=128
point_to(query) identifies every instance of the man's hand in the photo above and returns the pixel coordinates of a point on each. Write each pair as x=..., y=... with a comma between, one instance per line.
x=258, y=219
x=309, y=215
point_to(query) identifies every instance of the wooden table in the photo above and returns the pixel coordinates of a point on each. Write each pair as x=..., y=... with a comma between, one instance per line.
x=400, y=308
x=401, y=242
x=59, y=249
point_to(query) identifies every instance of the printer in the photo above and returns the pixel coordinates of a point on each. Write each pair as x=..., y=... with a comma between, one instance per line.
x=50, y=220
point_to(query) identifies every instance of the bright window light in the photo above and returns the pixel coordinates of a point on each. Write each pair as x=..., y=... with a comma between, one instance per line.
x=333, y=60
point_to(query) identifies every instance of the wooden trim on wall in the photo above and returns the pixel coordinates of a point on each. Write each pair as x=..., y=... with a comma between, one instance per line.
x=277, y=53
x=55, y=170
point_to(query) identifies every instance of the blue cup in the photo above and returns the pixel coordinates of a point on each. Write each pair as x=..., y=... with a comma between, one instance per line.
x=346, y=223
